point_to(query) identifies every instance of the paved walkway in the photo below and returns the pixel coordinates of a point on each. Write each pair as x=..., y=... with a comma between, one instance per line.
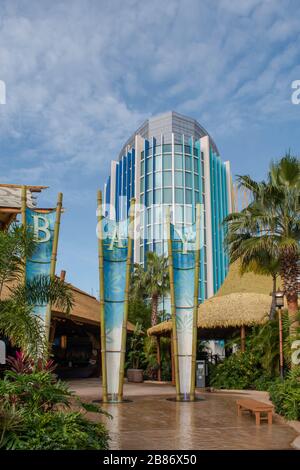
x=152, y=422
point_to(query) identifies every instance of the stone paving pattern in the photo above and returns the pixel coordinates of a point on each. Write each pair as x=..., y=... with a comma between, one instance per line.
x=152, y=422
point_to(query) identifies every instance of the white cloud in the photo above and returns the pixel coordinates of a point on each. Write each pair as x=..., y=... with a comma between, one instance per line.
x=81, y=76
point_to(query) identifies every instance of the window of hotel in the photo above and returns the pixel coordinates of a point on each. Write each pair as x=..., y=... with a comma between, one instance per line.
x=157, y=179
x=149, y=164
x=188, y=180
x=149, y=215
x=159, y=248
x=142, y=155
x=157, y=195
x=157, y=231
x=167, y=148
x=188, y=214
x=197, y=197
x=142, y=168
x=178, y=148
x=179, y=196
x=196, y=181
x=167, y=162
x=179, y=213
x=157, y=162
x=167, y=196
x=188, y=196
x=188, y=163
x=167, y=175
x=178, y=162
x=196, y=165
x=149, y=181
x=187, y=149
x=178, y=178
x=142, y=184
x=148, y=198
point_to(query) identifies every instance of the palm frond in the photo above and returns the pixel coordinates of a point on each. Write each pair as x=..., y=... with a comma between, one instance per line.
x=43, y=289
x=24, y=329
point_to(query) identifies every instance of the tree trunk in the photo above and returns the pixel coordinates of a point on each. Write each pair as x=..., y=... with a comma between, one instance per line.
x=290, y=275
x=154, y=308
x=272, y=314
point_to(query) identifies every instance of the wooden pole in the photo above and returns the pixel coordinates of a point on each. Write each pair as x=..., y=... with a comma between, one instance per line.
x=280, y=343
x=23, y=220
x=101, y=290
x=53, y=259
x=158, y=358
x=172, y=361
x=243, y=339
x=173, y=307
x=195, y=310
x=126, y=299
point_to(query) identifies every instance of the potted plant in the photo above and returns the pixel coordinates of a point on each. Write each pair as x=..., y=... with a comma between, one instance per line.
x=136, y=355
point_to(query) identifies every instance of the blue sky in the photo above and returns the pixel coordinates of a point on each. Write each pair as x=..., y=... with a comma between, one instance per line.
x=82, y=75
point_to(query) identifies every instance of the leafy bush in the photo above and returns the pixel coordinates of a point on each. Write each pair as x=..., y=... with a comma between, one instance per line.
x=38, y=391
x=285, y=394
x=239, y=371
x=136, y=355
x=59, y=431
x=33, y=414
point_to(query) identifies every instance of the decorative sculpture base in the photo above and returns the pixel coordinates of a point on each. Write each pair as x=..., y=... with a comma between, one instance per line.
x=186, y=399
x=113, y=401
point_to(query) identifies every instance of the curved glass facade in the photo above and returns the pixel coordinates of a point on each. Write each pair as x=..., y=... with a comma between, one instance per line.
x=178, y=166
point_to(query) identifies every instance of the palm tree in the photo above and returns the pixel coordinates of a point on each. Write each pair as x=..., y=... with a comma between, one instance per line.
x=17, y=321
x=271, y=225
x=153, y=281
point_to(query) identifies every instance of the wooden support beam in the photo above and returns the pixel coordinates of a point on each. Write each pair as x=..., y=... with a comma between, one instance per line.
x=243, y=339
x=158, y=358
x=172, y=361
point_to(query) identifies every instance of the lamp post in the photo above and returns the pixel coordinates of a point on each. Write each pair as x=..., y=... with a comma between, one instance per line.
x=279, y=297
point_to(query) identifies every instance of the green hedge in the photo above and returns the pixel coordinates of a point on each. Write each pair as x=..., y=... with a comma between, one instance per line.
x=285, y=394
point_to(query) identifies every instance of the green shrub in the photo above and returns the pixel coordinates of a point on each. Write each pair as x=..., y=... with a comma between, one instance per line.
x=35, y=391
x=239, y=371
x=33, y=415
x=60, y=431
x=285, y=394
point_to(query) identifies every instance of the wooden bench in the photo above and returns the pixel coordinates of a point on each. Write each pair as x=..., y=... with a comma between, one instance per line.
x=256, y=407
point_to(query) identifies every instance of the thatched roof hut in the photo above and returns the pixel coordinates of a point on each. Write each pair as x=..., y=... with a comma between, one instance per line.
x=241, y=301
x=86, y=308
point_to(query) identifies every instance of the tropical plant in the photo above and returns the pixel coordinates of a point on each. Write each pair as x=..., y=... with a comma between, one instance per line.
x=61, y=431
x=22, y=364
x=139, y=311
x=33, y=415
x=38, y=391
x=153, y=281
x=285, y=394
x=17, y=299
x=136, y=354
x=271, y=225
x=238, y=371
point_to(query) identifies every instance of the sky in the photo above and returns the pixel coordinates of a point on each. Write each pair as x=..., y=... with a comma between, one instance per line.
x=81, y=75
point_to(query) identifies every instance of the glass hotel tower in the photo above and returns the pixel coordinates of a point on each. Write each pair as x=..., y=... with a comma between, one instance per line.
x=171, y=160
